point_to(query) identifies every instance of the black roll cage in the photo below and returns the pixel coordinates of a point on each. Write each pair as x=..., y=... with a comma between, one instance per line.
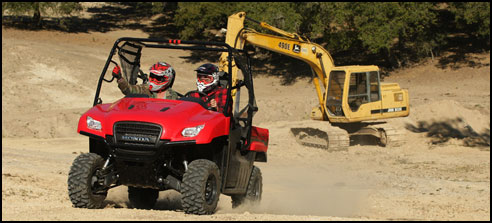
x=196, y=45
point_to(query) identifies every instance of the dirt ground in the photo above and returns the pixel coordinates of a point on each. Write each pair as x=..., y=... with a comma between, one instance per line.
x=441, y=173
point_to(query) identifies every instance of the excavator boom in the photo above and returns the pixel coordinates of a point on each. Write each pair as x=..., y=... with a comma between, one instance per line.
x=292, y=45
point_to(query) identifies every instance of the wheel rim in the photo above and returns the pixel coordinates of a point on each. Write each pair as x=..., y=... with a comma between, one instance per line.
x=210, y=189
x=95, y=185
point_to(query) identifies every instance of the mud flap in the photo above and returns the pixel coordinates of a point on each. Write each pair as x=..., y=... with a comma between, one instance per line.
x=259, y=143
x=259, y=139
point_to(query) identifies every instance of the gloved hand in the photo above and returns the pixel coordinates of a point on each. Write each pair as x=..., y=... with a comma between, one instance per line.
x=117, y=72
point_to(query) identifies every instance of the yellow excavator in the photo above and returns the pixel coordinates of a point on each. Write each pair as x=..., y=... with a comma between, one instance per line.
x=352, y=99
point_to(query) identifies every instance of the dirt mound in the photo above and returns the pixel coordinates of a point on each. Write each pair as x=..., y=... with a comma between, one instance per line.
x=452, y=110
x=446, y=119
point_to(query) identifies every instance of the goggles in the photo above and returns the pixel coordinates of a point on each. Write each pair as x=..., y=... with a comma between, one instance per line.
x=205, y=78
x=159, y=78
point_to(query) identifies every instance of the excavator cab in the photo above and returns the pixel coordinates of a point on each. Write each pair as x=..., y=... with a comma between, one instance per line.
x=353, y=94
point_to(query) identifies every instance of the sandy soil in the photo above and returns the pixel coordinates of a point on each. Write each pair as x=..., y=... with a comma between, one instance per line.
x=442, y=173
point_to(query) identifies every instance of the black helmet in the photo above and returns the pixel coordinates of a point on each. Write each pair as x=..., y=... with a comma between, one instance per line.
x=210, y=71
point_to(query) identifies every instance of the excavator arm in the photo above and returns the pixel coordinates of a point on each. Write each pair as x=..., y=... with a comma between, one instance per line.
x=290, y=44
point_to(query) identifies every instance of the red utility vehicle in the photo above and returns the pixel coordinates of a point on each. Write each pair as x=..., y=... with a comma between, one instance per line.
x=151, y=145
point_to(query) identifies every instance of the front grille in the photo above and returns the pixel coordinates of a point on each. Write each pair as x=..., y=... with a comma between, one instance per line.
x=137, y=133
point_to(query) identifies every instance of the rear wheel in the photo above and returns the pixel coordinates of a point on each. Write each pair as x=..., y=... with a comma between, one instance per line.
x=84, y=189
x=253, y=191
x=200, y=189
x=142, y=198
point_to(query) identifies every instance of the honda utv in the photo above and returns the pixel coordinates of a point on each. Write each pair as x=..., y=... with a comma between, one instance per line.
x=152, y=145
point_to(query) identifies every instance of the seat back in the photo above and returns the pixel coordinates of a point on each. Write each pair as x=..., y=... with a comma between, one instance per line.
x=223, y=79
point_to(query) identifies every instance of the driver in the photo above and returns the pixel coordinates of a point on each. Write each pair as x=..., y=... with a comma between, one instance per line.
x=207, y=83
x=161, y=79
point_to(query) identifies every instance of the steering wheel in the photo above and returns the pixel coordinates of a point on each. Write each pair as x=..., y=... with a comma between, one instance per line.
x=187, y=97
x=195, y=91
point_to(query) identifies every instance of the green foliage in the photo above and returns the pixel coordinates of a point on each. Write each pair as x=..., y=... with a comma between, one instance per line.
x=38, y=8
x=394, y=33
x=283, y=15
x=194, y=19
x=399, y=32
x=157, y=6
x=393, y=29
x=474, y=16
x=332, y=25
x=57, y=8
x=66, y=8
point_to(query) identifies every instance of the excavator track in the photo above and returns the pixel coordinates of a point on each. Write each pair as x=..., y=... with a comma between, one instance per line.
x=321, y=135
x=390, y=136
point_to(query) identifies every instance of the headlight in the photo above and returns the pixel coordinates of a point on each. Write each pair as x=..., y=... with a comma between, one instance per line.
x=93, y=124
x=192, y=131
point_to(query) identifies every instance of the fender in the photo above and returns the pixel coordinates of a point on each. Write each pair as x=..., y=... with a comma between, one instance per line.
x=259, y=139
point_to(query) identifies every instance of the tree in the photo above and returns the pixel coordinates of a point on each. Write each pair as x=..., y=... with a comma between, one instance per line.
x=36, y=8
x=283, y=15
x=399, y=31
x=473, y=17
x=194, y=18
x=390, y=34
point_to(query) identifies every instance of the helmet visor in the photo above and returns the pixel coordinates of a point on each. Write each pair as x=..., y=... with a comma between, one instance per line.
x=205, y=78
x=158, y=78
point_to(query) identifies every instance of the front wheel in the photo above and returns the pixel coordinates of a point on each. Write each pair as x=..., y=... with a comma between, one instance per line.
x=200, y=189
x=84, y=189
x=253, y=191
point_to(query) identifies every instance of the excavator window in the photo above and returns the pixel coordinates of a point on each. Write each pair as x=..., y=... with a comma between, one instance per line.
x=364, y=88
x=335, y=92
x=374, y=81
x=357, y=90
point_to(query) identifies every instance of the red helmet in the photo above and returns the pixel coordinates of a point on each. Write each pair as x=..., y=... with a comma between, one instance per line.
x=161, y=76
x=207, y=77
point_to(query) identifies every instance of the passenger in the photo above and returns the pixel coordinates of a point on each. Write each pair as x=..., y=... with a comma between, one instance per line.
x=208, y=83
x=161, y=79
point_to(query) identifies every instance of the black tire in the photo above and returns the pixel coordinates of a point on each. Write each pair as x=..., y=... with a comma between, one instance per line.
x=200, y=189
x=142, y=198
x=81, y=182
x=253, y=191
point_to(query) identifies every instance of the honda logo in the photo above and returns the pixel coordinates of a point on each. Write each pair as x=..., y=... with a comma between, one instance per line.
x=135, y=138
